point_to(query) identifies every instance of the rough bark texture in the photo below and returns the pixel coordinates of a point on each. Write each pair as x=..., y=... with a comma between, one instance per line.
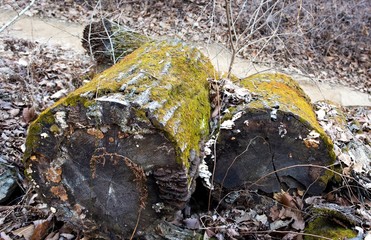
x=272, y=136
x=125, y=146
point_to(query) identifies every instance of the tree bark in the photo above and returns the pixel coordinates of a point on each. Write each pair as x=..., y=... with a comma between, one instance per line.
x=126, y=146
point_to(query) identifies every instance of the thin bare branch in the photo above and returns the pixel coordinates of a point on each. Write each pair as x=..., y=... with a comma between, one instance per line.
x=13, y=20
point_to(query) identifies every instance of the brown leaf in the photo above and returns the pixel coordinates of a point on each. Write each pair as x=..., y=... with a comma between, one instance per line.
x=274, y=213
x=25, y=232
x=285, y=199
x=29, y=114
x=41, y=228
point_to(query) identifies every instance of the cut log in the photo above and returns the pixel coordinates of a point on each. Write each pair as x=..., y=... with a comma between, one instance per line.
x=110, y=42
x=126, y=146
x=274, y=142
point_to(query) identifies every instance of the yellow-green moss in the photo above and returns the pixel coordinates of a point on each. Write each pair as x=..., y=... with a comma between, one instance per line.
x=325, y=227
x=283, y=90
x=55, y=129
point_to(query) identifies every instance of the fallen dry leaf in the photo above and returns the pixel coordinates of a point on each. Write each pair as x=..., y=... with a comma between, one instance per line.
x=41, y=228
x=285, y=199
x=25, y=232
x=274, y=213
x=29, y=114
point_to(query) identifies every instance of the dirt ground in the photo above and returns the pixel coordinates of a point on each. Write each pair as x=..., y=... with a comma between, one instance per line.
x=330, y=43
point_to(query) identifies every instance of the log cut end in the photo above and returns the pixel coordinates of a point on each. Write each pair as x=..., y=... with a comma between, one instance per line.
x=275, y=142
x=110, y=42
x=126, y=143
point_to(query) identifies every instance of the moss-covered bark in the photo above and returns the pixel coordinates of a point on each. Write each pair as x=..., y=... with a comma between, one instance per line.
x=127, y=142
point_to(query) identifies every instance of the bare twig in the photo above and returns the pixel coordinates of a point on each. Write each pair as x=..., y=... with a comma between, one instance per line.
x=228, y=10
x=16, y=17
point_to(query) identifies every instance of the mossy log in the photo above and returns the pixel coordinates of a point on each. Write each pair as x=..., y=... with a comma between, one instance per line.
x=127, y=145
x=274, y=142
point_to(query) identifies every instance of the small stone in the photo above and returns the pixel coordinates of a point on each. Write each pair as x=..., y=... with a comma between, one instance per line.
x=8, y=183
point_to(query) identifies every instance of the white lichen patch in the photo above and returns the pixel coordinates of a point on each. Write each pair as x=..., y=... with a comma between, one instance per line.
x=274, y=114
x=313, y=135
x=282, y=130
x=208, y=146
x=135, y=79
x=169, y=114
x=236, y=93
x=143, y=98
x=126, y=74
x=203, y=169
x=312, y=140
x=44, y=135
x=228, y=124
x=237, y=116
x=158, y=207
x=60, y=118
x=116, y=98
x=154, y=105
x=205, y=174
x=321, y=114
x=88, y=95
x=94, y=112
x=166, y=68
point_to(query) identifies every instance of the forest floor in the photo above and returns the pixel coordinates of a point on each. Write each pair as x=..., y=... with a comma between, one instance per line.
x=330, y=45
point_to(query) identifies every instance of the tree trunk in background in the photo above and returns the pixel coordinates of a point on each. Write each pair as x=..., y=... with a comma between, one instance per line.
x=126, y=143
x=110, y=42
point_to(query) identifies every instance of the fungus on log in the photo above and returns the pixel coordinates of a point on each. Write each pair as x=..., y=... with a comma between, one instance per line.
x=273, y=142
x=125, y=146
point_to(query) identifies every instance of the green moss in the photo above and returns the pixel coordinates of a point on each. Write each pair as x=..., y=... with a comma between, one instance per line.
x=229, y=114
x=46, y=119
x=127, y=41
x=323, y=226
x=54, y=129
